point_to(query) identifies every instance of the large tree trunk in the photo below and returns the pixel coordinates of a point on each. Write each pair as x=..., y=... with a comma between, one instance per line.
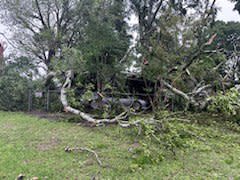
x=3, y=46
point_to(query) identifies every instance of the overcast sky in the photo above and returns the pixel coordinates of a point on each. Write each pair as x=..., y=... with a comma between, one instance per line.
x=225, y=13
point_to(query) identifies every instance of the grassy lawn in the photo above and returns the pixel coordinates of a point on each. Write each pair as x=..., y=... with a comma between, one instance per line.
x=35, y=148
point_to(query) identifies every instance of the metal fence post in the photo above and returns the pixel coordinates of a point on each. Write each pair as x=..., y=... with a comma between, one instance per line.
x=48, y=100
x=29, y=100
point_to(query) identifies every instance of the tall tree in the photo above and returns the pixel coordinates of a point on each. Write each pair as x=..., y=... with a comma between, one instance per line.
x=228, y=38
x=3, y=47
x=228, y=43
x=172, y=37
x=42, y=27
x=106, y=41
x=237, y=5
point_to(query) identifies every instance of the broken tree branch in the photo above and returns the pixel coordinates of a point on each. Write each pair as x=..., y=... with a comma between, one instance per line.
x=67, y=108
x=176, y=91
x=68, y=149
x=199, y=52
x=191, y=97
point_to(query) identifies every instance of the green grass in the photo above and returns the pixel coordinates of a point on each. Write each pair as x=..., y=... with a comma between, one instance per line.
x=35, y=147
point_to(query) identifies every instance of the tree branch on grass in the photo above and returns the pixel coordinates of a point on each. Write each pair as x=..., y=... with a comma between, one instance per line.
x=68, y=149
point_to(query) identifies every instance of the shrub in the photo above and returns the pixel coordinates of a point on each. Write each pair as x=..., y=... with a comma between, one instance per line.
x=227, y=104
x=13, y=93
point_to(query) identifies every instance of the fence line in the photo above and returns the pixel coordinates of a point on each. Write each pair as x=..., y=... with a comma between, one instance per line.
x=43, y=100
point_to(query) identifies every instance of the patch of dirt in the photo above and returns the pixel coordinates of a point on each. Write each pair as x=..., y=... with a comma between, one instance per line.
x=71, y=118
x=61, y=117
x=133, y=147
x=8, y=126
x=50, y=116
x=50, y=144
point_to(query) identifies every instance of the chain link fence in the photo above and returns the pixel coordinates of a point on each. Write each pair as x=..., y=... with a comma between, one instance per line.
x=46, y=100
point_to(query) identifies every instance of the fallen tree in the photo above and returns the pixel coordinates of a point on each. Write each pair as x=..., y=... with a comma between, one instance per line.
x=67, y=108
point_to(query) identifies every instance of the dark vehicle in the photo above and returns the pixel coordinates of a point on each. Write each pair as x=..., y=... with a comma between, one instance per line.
x=136, y=104
x=137, y=94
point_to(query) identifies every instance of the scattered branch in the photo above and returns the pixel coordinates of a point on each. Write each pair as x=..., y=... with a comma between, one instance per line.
x=68, y=149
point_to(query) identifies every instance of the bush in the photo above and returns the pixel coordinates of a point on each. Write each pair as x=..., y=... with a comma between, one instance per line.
x=13, y=93
x=227, y=104
x=164, y=132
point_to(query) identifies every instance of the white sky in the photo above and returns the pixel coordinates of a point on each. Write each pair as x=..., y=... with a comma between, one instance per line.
x=225, y=13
